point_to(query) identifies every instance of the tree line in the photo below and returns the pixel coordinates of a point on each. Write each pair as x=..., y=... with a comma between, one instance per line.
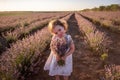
x=112, y=7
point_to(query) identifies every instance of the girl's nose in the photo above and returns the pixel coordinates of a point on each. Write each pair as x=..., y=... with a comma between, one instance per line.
x=59, y=32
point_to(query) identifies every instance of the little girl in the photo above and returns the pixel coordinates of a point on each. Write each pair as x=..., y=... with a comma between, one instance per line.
x=59, y=62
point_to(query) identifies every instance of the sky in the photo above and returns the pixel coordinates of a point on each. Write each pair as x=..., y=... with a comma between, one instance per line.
x=52, y=5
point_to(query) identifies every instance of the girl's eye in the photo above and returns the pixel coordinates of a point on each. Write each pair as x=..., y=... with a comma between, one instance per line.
x=59, y=30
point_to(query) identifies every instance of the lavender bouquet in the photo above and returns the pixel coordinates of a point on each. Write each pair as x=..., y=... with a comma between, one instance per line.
x=62, y=47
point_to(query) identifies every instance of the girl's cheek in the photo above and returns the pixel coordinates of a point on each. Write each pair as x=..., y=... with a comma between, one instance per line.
x=63, y=32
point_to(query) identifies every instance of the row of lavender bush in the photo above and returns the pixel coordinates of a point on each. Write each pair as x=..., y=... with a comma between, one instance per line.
x=20, y=60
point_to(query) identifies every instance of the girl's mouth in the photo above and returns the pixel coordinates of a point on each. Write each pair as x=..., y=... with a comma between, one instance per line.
x=60, y=35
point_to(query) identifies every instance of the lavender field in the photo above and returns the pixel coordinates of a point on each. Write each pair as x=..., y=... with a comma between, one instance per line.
x=25, y=40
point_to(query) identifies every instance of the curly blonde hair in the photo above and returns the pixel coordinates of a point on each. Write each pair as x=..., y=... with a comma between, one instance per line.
x=52, y=24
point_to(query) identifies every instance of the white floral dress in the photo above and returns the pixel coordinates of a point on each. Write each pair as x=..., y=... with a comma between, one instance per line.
x=51, y=63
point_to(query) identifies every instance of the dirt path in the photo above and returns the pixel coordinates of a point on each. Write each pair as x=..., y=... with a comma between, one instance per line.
x=83, y=62
x=114, y=53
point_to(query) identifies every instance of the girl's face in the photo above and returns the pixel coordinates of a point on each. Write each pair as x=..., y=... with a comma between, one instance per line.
x=59, y=31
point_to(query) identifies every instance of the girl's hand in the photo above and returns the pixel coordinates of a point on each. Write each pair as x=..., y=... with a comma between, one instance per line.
x=57, y=57
x=64, y=57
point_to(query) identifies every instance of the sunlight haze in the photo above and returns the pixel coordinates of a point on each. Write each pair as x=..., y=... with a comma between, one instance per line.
x=52, y=5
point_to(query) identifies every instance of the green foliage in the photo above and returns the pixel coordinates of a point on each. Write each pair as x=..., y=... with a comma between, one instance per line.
x=9, y=28
x=19, y=59
x=10, y=38
x=112, y=7
x=61, y=62
x=96, y=22
x=26, y=23
x=104, y=56
x=23, y=62
x=23, y=34
x=4, y=76
x=102, y=8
